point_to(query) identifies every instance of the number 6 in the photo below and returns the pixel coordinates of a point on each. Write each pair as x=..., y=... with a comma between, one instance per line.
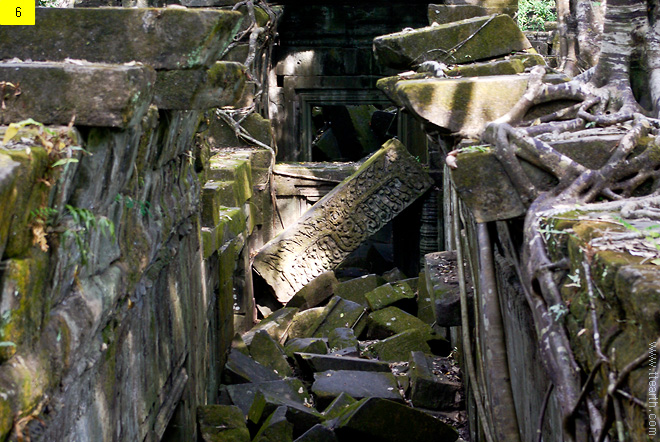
x=18, y=11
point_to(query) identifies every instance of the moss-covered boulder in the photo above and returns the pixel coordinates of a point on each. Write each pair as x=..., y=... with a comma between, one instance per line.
x=463, y=41
x=269, y=353
x=399, y=294
x=392, y=320
x=355, y=289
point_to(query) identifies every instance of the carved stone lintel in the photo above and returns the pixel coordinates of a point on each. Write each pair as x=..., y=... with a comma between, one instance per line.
x=381, y=188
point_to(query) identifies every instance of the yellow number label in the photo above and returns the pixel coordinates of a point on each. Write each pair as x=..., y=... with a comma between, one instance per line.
x=16, y=12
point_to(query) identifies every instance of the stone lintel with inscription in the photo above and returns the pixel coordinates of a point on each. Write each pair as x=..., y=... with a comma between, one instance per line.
x=388, y=182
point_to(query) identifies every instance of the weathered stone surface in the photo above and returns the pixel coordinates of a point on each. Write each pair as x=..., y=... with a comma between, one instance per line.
x=161, y=38
x=222, y=423
x=316, y=363
x=342, y=338
x=315, y=292
x=221, y=85
x=305, y=322
x=429, y=389
x=338, y=406
x=275, y=324
x=464, y=41
x=442, y=14
x=442, y=282
x=355, y=289
x=8, y=172
x=392, y=320
x=425, y=310
x=318, y=433
x=269, y=353
x=306, y=345
x=400, y=295
x=357, y=384
x=220, y=134
x=388, y=421
x=242, y=368
x=289, y=390
x=97, y=95
x=383, y=186
x=276, y=428
x=340, y=313
x=462, y=105
x=399, y=346
x=499, y=67
x=394, y=275
x=302, y=416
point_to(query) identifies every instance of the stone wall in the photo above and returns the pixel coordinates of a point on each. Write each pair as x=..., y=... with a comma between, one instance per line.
x=125, y=237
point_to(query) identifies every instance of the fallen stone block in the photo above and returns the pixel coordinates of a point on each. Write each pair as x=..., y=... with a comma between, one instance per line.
x=394, y=275
x=391, y=321
x=306, y=345
x=232, y=169
x=442, y=282
x=241, y=368
x=239, y=344
x=290, y=390
x=313, y=363
x=425, y=310
x=383, y=186
x=340, y=313
x=269, y=353
x=220, y=134
x=161, y=38
x=97, y=95
x=305, y=322
x=442, y=14
x=218, y=423
x=276, y=324
x=189, y=89
x=355, y=289
x=338, y=406
x=302, y=416
x=315, y=292
x=357, y=384
x=461, y=105
x=399, y=346
x=388, y=421
x=428, y=388
x=276, y=428
x=343, y=338
x=318, y=433
x=465, y=41
x=399, y=295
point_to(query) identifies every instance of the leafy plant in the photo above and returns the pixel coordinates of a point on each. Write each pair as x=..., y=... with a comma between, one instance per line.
x=532, y=14
x=558, y=311
x=85, y=222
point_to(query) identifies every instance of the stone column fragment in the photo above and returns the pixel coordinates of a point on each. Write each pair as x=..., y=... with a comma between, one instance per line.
x=357, y=208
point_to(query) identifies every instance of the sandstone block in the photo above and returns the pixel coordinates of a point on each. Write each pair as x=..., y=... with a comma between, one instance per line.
x=400, y=295
x=289, y=390
x=399, y=346
x=428, y=388
x=276, y=428
x=389, y=421
x=355, y=289
x=275, y=324
x=97, y=95
x=269, y=353
x=340, y=313
x=305, y=322
x=221, y=85
x=342, y=338
x=161, y=38
x=382, y=187
x=317, y=363
x=392, y=320
x=464, y=41
x=318, y=290
x=8, y=172
x=242, y=368
x=357, y=384
x=318, y=433
x=306, y=345
x=302, y=416
x=338, y=406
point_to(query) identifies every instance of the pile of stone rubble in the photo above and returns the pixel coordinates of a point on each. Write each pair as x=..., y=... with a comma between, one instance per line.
x=358, y=358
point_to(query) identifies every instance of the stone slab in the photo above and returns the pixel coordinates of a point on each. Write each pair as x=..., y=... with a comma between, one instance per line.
x=219, y=423
x=355, y=289
x=390, y=294
x=338, y=406
x=430, y=389
x=316, y=363
x=276, y=428
x=276, y=324
x=388, y=421
x=464, y=41
x=161, y=38
x=269, y=353
x=96, y=94
x=302, y=416
x=343, y=338
x=306, y=345
x=290, y=390
x=392, y=320
x=241, y=368
x=383, y=186
x=318, y=433
x=221, y=85
x=340, y=313
x=399, y=346
x=305, y=322
x=357, y=384
x=318, y=290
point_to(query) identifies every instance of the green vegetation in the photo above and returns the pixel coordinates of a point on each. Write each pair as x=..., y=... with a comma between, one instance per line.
x=532, y=14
